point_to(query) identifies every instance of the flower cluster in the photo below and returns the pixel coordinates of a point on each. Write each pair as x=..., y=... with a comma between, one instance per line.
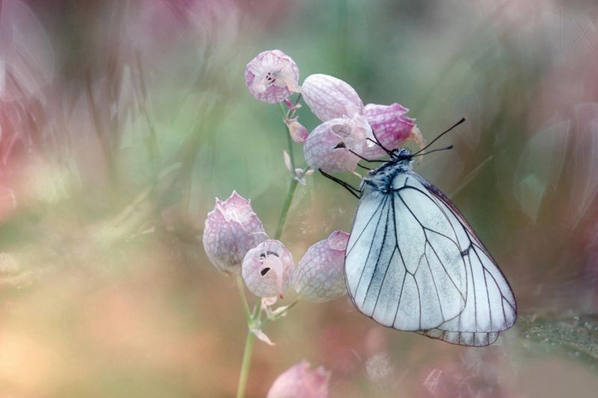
x=234, y=237
x=235, y=242
x=348, y=126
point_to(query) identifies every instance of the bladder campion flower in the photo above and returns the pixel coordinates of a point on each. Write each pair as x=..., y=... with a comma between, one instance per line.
x=327, y=147
x=320, y=274
x=301, y=382
x=267, y=269
x=391, y=127
x=271, y=76
x=231, y=229
x=329, y=97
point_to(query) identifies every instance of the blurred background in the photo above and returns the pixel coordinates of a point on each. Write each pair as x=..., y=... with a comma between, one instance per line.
x=121, y=121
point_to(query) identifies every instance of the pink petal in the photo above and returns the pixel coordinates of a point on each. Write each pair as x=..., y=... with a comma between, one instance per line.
x=271, y=76
x=320, y=274
x=230, y=230
x=329, y=97
x=325, y=147
x=390, y=126
x=267, y=268
x=301, y=382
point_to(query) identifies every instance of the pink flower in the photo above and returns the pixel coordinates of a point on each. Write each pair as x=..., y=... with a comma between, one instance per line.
x=267, y=268
x=327, y=147
x=231, y=229
x=391, y=127
x=271, y=76
x=320, y=274
x=329, y=97
x=301, y=382
x=297, y=131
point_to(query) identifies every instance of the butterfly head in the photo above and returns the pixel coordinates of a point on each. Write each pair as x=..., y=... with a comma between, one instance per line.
x=401, y=155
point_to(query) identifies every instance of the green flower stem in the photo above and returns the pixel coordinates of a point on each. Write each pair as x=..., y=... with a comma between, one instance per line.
x=241, y=288
x=285, y=208
x=245, y=364
x=254, y=320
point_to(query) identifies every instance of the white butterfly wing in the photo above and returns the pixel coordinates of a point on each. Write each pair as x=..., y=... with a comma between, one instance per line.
x=414, y=264
x=491, y=306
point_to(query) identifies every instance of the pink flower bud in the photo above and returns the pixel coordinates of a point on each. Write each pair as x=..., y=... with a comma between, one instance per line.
x=327, y=147
x=390, y=125
x=330, y=98
x=267, y=268
x=271, y=76
x=297, y=131
x=301, y=382
x=320, y=274
x=231, y=229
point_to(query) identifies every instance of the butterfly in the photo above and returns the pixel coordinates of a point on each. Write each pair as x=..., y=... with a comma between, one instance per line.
x=415, y=264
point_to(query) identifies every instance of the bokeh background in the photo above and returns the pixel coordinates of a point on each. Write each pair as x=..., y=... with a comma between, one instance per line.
x=121, y=121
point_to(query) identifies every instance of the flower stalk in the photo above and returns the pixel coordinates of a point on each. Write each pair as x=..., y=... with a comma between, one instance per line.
x=254, y=320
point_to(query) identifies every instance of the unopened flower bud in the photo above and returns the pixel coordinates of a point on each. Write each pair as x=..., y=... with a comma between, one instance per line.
x=329, y=97
x=231, y=229
x=300, y=381
x=320, y=274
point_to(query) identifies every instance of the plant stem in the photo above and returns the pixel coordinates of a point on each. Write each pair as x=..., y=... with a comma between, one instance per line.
x=241, y=288
x=245, y=364
x=246, y=361
x=285, y=208
x=254, y=320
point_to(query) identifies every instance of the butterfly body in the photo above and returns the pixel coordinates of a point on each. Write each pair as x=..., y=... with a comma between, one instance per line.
x=413, y=263
x=381, y=178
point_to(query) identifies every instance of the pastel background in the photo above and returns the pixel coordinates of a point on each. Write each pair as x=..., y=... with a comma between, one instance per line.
x=121, y=121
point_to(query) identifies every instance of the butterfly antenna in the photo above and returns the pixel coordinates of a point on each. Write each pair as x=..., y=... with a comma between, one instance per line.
x=439, y=136
x=377, y=142
x=446, y=148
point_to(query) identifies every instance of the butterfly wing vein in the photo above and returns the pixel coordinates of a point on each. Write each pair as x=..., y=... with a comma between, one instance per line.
x=414, y=264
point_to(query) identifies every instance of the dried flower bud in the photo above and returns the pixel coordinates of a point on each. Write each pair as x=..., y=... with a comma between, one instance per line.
x=301, y=382
x=330, y=98
x=267, y=268
x=320, y=274
x=297, y=131
x=390, y=126
x=231, y=229
x=271, y=76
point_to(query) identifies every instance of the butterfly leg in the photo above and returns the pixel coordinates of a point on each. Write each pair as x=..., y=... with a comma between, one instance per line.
x=352, y=190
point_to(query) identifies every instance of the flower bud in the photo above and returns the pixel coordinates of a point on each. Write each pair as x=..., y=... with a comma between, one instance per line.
x=301, y=382
x=297, y=131
x=320, y=274
x=231, y=229
x=390, y=126
x=267, y=268
x=271, y=76
x=330, y=98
